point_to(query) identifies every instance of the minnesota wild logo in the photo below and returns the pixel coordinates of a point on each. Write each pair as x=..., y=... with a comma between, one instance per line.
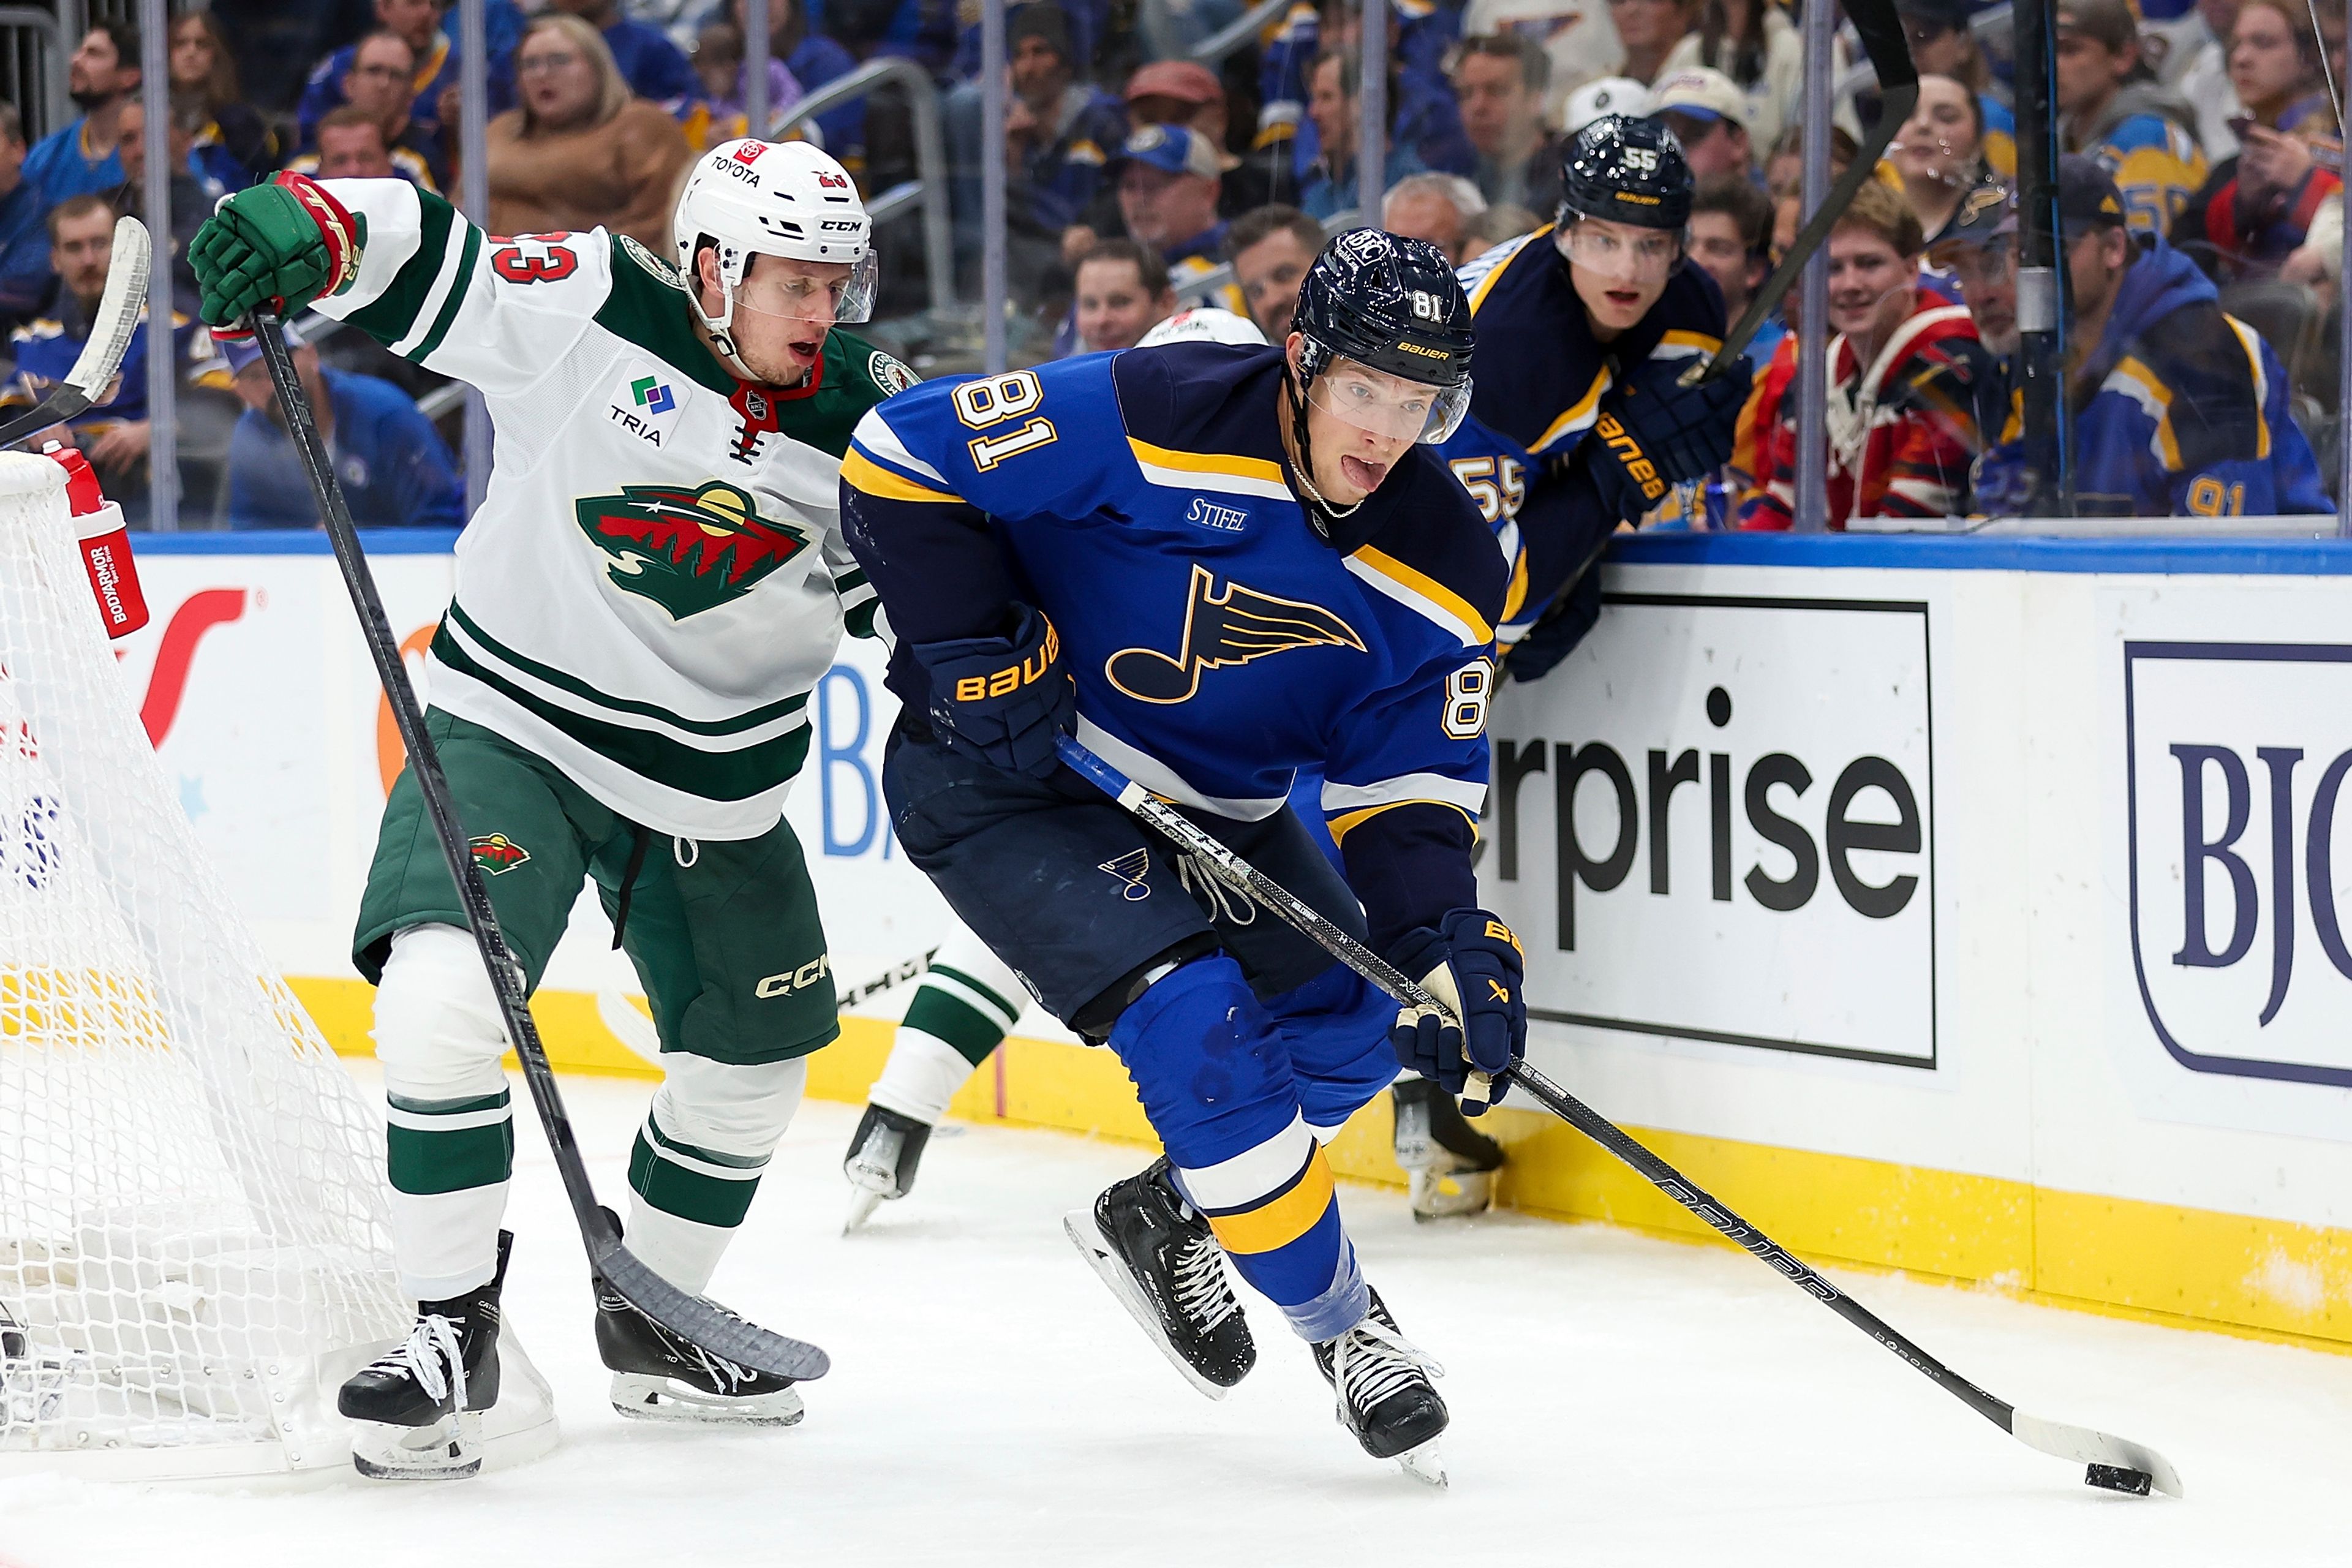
x=686, y=550
x=496, y=853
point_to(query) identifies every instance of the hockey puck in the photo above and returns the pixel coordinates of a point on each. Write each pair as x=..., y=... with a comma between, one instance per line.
x=2116, y=1479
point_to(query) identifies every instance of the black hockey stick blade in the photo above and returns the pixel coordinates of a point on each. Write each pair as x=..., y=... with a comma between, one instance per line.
x=703, y=1323
x=1889, y=50
x=2113, y=1463
x=119, y=307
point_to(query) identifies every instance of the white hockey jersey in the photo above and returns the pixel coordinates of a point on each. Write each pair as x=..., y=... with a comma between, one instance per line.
x=656, y=580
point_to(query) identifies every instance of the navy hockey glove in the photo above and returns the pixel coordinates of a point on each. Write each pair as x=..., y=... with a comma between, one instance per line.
x=1003, y=699
x=1474, y=964
x=1688, y=431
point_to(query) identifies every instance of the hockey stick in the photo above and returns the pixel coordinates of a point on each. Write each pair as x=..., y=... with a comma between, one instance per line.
x=704, y=1323
x=117, y=318
x=1899, y=87
x=2117, y=1464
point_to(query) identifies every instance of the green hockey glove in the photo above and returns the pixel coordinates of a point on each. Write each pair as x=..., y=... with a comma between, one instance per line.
x=274, y=246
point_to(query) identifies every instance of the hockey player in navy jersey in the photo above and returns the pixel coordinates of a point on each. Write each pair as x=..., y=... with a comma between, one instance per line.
x=1216, y=565
x=1576, y=423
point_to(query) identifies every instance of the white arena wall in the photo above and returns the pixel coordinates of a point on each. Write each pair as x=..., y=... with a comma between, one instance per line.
x=1968, y=907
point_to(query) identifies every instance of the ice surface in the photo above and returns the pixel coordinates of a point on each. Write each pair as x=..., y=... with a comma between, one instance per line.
x=1617, y=1400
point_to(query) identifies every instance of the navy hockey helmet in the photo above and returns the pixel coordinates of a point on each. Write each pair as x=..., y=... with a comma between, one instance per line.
x=1626, y=170
x=1392, y=305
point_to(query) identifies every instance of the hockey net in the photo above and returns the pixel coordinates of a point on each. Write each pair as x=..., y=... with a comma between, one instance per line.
x=192, y=1238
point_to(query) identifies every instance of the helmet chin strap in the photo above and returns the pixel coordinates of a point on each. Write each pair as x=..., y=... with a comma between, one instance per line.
x=1319, y=511
x=721, y=330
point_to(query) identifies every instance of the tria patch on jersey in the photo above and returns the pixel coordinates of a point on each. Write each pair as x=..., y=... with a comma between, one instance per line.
x=686, y=550
x=497, y=854
x=1232, y=625
x=645, y=404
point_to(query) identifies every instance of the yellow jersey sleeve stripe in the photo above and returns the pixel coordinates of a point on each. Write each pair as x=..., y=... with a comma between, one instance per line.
x=872, y=479
x=2252, y=343
x=1209, y=471
x=1515, y=597
x=1341, y=825
x=1419, y=590
x=1283, y=1218
x=1678, y=345
x=2156, y=399
x=1579, y=417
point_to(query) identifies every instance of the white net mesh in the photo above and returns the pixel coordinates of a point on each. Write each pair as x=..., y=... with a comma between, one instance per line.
x=191, y=1226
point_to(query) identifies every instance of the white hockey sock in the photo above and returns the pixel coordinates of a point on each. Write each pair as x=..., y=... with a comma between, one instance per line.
x=451, y=1140
x=921, y=1076
x=700, y=1157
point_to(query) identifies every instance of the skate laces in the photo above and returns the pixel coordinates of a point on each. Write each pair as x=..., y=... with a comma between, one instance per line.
x=1372, y=1360
x=1201, y=1293
x=722, y=1372
x=432, y=1344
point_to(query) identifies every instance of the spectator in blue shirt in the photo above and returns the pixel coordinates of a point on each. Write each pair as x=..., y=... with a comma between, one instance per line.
x=379, y=86
x=237, y=145
x=80, y=160
x=434, y=61
x=396, y=468
x=1333, y=104
x=24, y=275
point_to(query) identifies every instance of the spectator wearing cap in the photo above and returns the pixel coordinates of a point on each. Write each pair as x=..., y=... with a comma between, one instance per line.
x=25, y=274
x=1939, y=156
x=1978, y=252
x=1895, y=450
x=83, y=158
x=2179, y=409
x=1188, y=93
x=1332, y=103
x=1434, y=207
x=1168, y=185
x=1754, y=43
x=432, y=67
x=1271, y=249
x=1707, y=112
x=1499, y=85
x=2255, y=207
x=1122, y=293
x=2111, y=108
x=1498, y=225
x=396, y=469
x=1731, y=239
x=1942, y=44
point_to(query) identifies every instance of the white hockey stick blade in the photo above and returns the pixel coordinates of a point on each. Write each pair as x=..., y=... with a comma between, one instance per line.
x=627, y=1025
x=2086, y=1446
x=118, y=305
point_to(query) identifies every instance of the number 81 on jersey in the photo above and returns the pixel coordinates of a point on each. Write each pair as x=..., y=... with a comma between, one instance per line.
x=996, y=400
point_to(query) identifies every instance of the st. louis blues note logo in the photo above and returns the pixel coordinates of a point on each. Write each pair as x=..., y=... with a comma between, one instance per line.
x=1131, y=868
x=1232, y=625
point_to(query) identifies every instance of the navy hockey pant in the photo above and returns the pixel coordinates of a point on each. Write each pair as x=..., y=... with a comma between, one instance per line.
x=1245, y=1059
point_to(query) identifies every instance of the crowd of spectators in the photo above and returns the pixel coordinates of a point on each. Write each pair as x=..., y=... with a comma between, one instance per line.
x=1143, y=181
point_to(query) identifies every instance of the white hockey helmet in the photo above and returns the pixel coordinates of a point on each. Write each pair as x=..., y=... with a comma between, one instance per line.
x=749, y=197
x=1203, y=325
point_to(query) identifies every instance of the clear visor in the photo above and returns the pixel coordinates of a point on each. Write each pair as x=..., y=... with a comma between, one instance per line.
x=817, y=294
x=1389, y=406
x=1620, y=251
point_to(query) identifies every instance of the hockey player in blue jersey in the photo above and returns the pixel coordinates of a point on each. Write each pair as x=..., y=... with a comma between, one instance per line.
x=1576, y=422
x=1216, y=565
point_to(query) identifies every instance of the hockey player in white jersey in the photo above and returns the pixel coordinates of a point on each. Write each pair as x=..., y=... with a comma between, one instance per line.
x=650, y=591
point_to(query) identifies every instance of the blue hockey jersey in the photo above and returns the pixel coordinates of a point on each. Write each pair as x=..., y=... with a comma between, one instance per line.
x=2188, y=414
x=1536, y=383
x=1218, y=642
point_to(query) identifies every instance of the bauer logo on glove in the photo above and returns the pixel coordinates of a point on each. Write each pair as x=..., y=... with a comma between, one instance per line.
x=1012, y=676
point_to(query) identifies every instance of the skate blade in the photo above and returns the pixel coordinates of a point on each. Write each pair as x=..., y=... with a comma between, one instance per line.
x=1079, y=1226
x=645, y=1398
x=862, y=1202
x=447, y=1450
x=1425, y=1465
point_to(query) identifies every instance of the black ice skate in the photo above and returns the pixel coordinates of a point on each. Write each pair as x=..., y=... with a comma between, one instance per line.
x=421, y=1403
x=881, y=1162
x=1449, y=1164
x=1156, y=1253
x=1385, y=1395
x=658, y=1376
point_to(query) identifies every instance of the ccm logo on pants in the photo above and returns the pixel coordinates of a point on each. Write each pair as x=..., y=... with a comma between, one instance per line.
x=800, y=979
